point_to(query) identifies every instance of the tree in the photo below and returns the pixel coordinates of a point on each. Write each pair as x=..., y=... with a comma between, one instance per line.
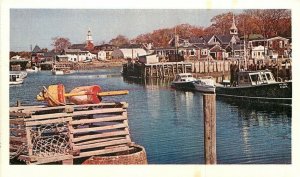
x=60, y=43
x=119, y=40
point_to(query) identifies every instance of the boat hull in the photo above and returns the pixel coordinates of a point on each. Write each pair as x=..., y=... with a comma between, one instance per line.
x=185, y=86
x=276, y=92
x=205, y=88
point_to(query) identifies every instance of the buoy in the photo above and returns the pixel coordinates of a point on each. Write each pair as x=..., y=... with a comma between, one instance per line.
x=55, y=95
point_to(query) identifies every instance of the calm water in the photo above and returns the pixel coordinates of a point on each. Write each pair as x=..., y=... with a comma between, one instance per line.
x=169, y=123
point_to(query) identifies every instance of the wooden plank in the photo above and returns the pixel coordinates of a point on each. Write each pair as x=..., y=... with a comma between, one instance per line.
x=43, y=122
x=98, y=111
x=17, y=121
x=99, y=140
x=44, y=160
x=104, y=151
x=17, y=130
x=127, y=126
x=102, y=135
x=101, y=144
x=19, y=139
x=19, y=114
x=47, y=116
x=106, y=119
x=28, y=158
x=108, y=127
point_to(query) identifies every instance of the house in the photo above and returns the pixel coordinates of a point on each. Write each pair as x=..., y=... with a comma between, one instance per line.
x=77, y=55
x=104, y=51
x=278, y=47
x=37, y=54
x=128, y=51
x=148, y=59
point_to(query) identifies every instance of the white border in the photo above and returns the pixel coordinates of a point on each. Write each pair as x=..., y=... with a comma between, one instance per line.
x=149, y=170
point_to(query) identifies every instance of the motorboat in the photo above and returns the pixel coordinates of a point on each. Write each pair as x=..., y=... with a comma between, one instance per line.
x=184, y=81
x=205, y=84
x=61, y=70
x=34, y=69
x=16, y=78
x=256, y=85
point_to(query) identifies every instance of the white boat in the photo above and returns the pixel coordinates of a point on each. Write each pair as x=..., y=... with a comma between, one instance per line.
x=61, y=70
x=205, y=84
x=33, y=69
x=184, y=81
x=16, y=78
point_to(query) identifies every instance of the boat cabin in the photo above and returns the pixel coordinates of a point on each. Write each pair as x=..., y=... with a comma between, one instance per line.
x=184, y=77
x=246, y=78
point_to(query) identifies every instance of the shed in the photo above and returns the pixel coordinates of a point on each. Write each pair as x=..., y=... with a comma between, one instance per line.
x=148, y=59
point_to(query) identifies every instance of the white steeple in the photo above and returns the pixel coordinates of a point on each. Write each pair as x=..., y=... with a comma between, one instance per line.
x=233, y=29
x=89, y=38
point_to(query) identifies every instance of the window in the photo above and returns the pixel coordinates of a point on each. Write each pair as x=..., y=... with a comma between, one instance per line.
x=270, y=44
x=192, y=52
x=280, y=44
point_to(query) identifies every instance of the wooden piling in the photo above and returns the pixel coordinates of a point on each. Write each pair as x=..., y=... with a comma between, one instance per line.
x=209, y=107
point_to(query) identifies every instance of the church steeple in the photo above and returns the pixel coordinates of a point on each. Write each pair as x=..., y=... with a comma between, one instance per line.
x=89, y=37
x=233, y=29
x=89, y=41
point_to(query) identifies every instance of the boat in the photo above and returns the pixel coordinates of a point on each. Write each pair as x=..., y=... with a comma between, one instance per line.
x=257, y=86
x=184, y=81
x=205, y=84
x=16, y=78
x=34, y=69
x=61, y=70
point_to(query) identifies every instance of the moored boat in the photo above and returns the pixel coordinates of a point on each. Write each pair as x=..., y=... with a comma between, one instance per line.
x=257, y=86
x=61, y=70
x=184, y=81
x=205, y=84
x=34, y=69
x=16, y=78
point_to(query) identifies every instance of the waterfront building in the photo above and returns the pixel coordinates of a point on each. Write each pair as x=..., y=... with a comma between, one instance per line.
x=131, y=51
x=104, y=51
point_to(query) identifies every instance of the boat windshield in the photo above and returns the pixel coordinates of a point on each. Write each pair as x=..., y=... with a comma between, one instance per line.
x=255, y=79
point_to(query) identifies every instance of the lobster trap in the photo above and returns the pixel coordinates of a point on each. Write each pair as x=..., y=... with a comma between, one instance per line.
x=40, y=134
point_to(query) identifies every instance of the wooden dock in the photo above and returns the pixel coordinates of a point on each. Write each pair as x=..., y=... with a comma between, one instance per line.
x=40, y=134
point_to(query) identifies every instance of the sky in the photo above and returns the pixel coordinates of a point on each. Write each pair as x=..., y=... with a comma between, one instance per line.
x=38, y=26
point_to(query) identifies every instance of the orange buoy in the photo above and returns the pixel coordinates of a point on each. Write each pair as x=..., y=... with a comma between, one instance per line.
x=86, y=95
x=55, y=95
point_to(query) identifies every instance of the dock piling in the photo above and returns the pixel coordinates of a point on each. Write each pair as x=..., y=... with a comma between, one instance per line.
x=209, y=111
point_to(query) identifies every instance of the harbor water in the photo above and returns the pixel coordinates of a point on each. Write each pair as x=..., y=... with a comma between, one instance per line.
x=169, y=123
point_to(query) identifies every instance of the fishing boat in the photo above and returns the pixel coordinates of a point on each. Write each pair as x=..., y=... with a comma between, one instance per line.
x=184, y=81
x=257, y=86
x=16, y=78
x=61, y=70
x=34, y=69
x=205, y=84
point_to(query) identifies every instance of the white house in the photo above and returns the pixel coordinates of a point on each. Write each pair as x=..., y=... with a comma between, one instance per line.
x=77, y=55
x=258, y=52
x=148, y=59
x=128, y=53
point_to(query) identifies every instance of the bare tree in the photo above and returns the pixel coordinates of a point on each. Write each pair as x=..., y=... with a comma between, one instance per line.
x=60, y=43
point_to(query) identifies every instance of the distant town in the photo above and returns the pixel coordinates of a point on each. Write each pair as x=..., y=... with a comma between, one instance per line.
x=254, y=34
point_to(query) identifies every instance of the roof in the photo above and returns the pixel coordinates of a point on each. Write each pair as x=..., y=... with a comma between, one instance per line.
x=37, y=49
x=50, y=54
x=196, y=40
x=253, y=37
x=78, y=46
x=131, y=46
x=224, y=39
x=74, y=51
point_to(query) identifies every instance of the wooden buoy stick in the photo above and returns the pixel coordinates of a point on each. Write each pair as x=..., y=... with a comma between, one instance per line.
x=110, y=93
x=210, y=148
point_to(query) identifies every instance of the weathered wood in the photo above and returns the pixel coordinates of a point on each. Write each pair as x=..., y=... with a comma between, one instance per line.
x=51, y=121
x=99, y=111
x=127, y=126
x=108, y=127
x=52, y=159
x=101, y=144
x=19, y=139
x=17, y=121
x=28, y=158
x=102, y=135
x=209, y=107
x=20, y=114
x=67, y=162
x=104, y=151
x=99, y=140
x=46, y=116
x=106, y=119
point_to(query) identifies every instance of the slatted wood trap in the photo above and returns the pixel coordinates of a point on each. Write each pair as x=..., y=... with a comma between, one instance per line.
x=40, y=134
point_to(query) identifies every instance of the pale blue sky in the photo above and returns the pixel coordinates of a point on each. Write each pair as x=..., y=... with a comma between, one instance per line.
x=38, y=26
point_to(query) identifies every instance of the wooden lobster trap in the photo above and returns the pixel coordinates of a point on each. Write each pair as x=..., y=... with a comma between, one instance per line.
x=41, y=134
